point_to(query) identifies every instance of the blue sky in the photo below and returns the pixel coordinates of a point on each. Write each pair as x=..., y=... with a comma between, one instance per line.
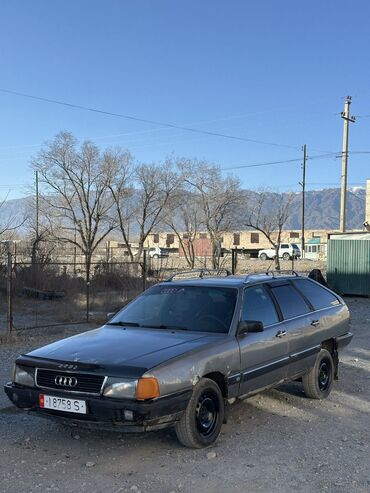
x=275, y=71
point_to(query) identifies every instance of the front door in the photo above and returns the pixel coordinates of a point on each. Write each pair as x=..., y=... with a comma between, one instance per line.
x=263, y=355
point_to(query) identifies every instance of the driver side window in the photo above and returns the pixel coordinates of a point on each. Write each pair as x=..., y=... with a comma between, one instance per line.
x=258, y=305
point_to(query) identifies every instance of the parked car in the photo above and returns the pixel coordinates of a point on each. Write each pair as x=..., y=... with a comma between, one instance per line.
x=287, y=251
x=184, y=349
x=157, y=252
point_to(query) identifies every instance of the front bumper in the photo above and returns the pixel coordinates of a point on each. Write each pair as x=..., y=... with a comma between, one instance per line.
x=104, y=413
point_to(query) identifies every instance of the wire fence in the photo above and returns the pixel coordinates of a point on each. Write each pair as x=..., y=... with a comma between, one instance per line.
x=39, y=294
x=45, y=294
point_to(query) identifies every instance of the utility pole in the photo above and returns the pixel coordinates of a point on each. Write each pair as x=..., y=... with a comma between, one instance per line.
x=347, y=119
x=303, y=184
x=37, y=204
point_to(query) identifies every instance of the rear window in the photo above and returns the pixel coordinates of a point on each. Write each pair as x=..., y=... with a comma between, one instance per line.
x=316, y=295
x=292, y=304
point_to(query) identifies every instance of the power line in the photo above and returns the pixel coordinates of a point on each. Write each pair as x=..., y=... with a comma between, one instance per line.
x=263, y=164
x=144, y=120
x=287, y=161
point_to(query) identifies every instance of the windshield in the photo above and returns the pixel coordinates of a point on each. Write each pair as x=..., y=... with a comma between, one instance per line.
x=198, y=308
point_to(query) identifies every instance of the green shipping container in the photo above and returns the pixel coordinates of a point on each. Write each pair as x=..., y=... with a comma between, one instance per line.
x=348, y=270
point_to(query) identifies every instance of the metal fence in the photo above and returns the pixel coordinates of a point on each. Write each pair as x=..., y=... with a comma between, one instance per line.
x=38, y=294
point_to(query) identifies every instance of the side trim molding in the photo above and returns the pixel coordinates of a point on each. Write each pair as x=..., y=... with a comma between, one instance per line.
x=249, y=374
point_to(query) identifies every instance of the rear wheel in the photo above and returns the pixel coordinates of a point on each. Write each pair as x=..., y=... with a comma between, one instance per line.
x=318, y=382
x=263, y=256
x=201, y=422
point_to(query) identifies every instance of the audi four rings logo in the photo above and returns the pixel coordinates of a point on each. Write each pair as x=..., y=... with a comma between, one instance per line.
x=66, y=381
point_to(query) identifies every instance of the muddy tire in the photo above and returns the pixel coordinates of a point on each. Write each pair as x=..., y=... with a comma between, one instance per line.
x=318, y=382
x=286, y=256
x=201, y=422
x=263, y=256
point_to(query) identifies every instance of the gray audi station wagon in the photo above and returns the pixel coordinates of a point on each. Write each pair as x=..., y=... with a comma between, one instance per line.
x=184, y=350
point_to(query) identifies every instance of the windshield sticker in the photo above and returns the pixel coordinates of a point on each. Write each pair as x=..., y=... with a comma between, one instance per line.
x=171, y=290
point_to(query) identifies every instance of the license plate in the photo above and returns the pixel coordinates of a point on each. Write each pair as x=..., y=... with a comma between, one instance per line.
x=62, y=404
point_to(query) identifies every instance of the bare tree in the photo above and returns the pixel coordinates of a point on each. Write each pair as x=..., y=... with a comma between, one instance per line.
x=219, y=198
x=75, y=182
x=156, y=184
x=184, y=219
x=268, y=214
x=40, y=238
x=119, y=164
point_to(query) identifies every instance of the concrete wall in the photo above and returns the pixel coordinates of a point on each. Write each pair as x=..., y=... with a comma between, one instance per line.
x=252, y=240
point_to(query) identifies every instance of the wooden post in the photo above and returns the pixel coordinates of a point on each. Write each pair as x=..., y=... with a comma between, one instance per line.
x=144, y=270
x=9, y=294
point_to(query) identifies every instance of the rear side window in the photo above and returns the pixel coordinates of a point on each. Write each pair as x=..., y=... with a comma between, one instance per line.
x=258, y=305
x=292, y=304
x=316, y=295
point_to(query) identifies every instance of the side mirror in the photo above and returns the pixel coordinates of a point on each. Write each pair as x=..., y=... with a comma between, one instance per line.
x=245, y=326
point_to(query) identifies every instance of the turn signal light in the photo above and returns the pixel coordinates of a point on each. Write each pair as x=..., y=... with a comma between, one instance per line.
x=147, y=388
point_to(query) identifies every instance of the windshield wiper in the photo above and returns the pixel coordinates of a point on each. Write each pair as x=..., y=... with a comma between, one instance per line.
x=163, y=326
x=123, y=324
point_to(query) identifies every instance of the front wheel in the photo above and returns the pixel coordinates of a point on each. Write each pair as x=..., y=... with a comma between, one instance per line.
x=201, y=422
x=318, y=382
x=286, y=256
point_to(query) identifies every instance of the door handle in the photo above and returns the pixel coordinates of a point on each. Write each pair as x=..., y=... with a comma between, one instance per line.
x=281, y=333
x=315, y=323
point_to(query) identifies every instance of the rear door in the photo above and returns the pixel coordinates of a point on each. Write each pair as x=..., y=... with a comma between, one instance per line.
x=263, y=355
x=327, y=319
x=299, y=323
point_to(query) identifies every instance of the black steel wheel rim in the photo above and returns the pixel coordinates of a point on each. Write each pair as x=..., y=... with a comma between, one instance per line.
x=207, y=413
x=324, y=374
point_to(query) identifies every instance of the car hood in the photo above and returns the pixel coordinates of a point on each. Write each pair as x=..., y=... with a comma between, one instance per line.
x=118, y=351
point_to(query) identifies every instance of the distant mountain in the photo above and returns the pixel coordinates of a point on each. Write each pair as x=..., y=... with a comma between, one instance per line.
x=15, y=211
x=322, y=209
x=323, y=206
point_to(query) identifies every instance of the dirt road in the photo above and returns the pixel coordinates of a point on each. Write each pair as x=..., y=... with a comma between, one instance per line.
x=278, y=441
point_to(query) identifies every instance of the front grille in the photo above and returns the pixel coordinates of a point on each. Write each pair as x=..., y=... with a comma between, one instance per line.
x=90, y=384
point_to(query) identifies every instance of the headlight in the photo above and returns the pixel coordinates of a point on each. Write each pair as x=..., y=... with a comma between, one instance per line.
x=117, y=388
x=143, y=389
x=23, y=375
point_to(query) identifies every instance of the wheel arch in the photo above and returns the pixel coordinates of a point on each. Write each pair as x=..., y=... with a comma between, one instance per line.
x=331, y=346
x=219, y=380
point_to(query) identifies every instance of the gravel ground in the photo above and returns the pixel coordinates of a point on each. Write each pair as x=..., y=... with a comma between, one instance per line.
x=277, y=441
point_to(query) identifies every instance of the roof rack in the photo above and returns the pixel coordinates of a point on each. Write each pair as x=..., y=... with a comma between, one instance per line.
x=282, y=272
x=252, y=274
x=201, y=274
